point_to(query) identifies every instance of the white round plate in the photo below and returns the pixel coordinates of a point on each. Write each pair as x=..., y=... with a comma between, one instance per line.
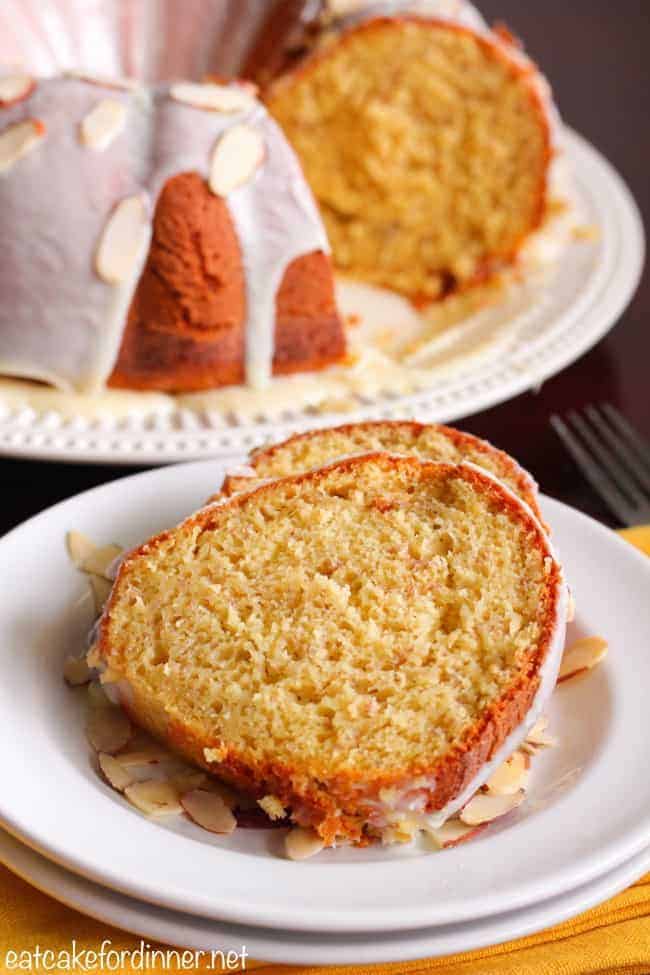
x=540, y=335
x=298, y=948
x=589, y=806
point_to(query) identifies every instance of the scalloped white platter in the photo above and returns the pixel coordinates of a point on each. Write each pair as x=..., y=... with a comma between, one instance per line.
x=587, y=811
x=540, y=326
x=297, y=947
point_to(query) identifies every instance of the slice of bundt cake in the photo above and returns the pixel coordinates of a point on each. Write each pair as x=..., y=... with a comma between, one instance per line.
x=159, y=239
x=428, y=441
x=425, y=136
x=363, y=643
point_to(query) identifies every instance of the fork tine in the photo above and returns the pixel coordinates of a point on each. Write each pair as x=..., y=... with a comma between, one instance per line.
x=608, y=458
x=599, y=479
x=627, y=430
x=619, y=446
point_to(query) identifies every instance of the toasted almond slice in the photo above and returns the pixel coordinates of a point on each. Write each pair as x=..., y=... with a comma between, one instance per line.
x=302, y=843
x=97, y=696
x=510, y=777
x=99, y=561
x=108, y=729
x=80, y=547
x=102, y=124
x=19, y=139
x=101, y=590
x=208, y=810
x=15, y=87
x=76, y=671
x=452, y=833
x=235, y=157
x=143, y=756
x=483, y=807
x=582, y=655
x=114, y=772
x=216, y=98
x=153, y=797
x=189, y=779
x=107, y=81
x=124, y=240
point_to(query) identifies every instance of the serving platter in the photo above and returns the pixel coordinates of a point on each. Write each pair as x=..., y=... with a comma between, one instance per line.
x=596, y=778
x=538, y=331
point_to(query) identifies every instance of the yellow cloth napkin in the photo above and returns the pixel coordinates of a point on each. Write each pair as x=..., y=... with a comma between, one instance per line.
x=613, y=938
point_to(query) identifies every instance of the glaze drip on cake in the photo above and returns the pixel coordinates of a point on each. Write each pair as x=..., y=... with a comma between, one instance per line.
x=60, y=322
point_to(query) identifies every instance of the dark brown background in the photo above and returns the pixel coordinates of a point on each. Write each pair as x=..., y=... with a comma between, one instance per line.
x=597, y=55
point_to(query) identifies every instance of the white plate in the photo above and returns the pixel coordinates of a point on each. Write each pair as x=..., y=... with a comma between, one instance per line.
x=590, y=800
x=297, y=948
x=538, y=336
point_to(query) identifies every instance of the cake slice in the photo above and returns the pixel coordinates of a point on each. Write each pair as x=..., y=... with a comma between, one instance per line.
x=359, y=645
x=426, y=137
x=428, y=441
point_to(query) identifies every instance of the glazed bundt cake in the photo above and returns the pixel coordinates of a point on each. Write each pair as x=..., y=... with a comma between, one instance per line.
x=359, y=645
x=425, y=136
x=428, y=441
x=158, y=239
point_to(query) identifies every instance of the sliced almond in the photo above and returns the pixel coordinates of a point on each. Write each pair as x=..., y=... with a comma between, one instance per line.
x=510, y=777
x=99, y=561
x=107, y=81
x=188, y=780
x=144, y=756
x=538, y=737
x=582, y=655
x=124, y=240
x=153, y=797
x=76, y=671
x=108, y=729
x=236, y=156
x=15, y=87
x=114, y=772
x=102, y=124
x=483, y=807
x=452, y=833
x=215, y=98
x=302, y=843
x=208, y=810
x=19, y=139
x=97, y=696
x=80, y=547
x=101, y=590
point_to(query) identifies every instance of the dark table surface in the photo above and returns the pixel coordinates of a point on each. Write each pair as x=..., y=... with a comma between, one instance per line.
x=596, y=55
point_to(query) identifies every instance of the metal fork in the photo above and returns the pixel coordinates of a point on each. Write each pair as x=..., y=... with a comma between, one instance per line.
x=613, y=457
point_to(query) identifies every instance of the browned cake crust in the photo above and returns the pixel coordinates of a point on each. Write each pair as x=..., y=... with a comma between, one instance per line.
x=185, y=328
x=507, y=468
x=340, y=805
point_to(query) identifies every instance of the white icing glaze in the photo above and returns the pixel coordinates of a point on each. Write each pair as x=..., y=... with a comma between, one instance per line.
x=61, y=323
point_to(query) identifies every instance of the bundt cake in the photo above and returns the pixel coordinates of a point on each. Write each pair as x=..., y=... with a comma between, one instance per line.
x=425, y=136
x=428, y=441
x=160, y=239
x=364, y=643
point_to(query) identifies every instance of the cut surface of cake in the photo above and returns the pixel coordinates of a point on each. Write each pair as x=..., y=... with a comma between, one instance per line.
x=428, y=441
x=159, y=238
x=425, y=136
x=364, y=642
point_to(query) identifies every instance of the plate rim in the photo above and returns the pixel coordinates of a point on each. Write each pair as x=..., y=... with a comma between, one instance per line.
x=607, y=301
x=272, y=916
x=45, y=875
